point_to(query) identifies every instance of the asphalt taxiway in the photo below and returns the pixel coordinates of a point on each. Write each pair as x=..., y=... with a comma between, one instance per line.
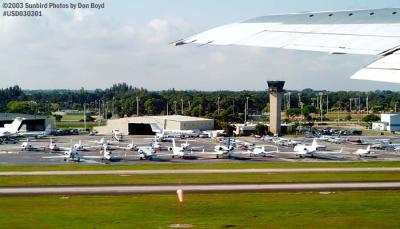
x=169, y=189
x=194, y=171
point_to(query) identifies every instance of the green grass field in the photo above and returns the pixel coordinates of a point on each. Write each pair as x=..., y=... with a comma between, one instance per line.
x=375, y=209
x=231, y=165
x=76, y=125
x=342, y=116
x=72, y=117
x=239, y=178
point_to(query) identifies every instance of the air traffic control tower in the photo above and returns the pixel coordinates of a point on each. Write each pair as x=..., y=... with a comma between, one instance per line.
x=276, y=93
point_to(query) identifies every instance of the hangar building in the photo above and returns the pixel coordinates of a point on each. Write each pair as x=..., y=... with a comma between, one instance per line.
x=146, y=125
x=31, y=122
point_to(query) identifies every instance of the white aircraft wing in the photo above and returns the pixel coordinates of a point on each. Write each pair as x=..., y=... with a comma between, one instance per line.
x=386, y=69
x=366, y=32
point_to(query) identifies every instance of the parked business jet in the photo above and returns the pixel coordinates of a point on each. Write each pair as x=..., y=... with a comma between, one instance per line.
x=302, y=148
x=106, y=156
x=69, y=155
x=365, y=152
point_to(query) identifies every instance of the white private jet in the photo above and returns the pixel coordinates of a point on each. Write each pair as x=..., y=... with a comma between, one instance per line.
x=131, y=147
x=69, y=155
x=53, y=146
x=117, y=135
x=155, y=144
x=303, y=152
x=303, y=148
x=27, y=146
x=106, y=156
x=149, y=153
x=365, y=152
x=80, y=147
x=182, y=151
x=102, y=141
x=259, y=151
x=224, y=148
x=374, y=32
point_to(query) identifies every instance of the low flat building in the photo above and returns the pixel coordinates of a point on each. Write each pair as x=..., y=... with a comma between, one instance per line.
x=389, y=122
x=244, y=129
x=146, y=125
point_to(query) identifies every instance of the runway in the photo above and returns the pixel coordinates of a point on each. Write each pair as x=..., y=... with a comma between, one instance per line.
x=170, y=189
x=205, y=171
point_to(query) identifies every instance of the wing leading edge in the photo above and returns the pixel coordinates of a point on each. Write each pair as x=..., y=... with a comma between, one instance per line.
x=366, y=32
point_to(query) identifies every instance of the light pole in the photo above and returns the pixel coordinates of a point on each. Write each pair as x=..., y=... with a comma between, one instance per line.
x=175, y=107
x=137, y=106
x=167, y=109
x=84, y=115
x=321, y=105
x=218, y=104
x=246, y=110
x=350, y=104
x=113, y=108
x=327, y=103
x=104, y=109
x=190, y=106
x=302, y=111
x=299, y=95
x=182, y=107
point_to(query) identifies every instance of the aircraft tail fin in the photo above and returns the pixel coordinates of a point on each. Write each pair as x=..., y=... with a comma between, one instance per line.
x=173, y=143
x=14, y=126
x=156, y=129
x=47, y=131
x=105, y=152
x=315, y=143
x=369, y=148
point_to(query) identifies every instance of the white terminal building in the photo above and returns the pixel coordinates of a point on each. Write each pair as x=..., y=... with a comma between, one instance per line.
x=147, y=125
x=389, y=122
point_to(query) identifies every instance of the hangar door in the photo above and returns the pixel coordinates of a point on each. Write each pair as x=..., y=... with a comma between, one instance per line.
x=28, y=124
x=140, y=129
x=33, y=125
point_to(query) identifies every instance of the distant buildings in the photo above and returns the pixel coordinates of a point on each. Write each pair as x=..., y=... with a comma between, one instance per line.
x=389, y=122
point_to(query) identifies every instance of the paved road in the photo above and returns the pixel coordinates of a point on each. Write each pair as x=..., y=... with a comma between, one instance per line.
x=102, y=190
x=205, y=171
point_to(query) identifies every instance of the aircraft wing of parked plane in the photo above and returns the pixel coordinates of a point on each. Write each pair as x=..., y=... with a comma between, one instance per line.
x=367, y=32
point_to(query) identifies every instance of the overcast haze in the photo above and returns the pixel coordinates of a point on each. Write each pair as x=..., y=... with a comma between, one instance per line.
x=128, y=42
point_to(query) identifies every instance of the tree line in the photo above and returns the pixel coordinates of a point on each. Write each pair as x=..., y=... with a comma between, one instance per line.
x=121, y=100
